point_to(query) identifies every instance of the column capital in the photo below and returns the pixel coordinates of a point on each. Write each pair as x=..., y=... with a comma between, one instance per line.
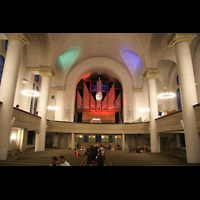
x=47, y=72
x=175, y=38
x=25, y=38
x=151, y=73
x=137, y=89
x=42, y=71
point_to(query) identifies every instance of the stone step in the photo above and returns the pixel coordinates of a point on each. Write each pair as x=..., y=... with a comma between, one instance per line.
x=122, y=158
x=42, y=158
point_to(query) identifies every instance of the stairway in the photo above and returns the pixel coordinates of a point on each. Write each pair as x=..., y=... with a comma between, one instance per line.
x=123, y=158
x=43, y=158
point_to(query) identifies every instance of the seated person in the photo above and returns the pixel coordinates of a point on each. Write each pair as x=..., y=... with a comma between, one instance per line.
x=76, y=152
x=54, y=161
x=109, y=146
x=145, y=149
x=132, y=149
x=138, y=150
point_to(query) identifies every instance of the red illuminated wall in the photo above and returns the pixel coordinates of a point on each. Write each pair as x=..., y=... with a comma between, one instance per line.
x=106, y=117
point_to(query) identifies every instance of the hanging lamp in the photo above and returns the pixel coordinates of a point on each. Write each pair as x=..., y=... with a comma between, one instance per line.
x=30, y=93
x=166, y=94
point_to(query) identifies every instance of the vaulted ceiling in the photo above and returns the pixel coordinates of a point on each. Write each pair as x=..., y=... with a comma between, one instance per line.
x=135, y=51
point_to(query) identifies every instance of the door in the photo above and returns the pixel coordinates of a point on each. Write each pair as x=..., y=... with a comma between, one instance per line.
x=98, y=138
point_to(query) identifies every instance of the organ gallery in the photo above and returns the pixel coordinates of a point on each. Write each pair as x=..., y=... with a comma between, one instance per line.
x=98, y=98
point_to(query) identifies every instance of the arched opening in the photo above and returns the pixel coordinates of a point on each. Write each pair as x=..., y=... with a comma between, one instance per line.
x=98, y=99
x=100, y=65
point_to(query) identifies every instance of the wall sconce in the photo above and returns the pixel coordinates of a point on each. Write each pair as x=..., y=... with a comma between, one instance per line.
x=13, y=137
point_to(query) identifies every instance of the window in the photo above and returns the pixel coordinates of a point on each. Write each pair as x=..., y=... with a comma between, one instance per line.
x=6, y=45
x=85, y=138
x=35, y=104
x=177, y=80
x=1, y=67
x=32, y=99
x=178, y=94
x=36, y=78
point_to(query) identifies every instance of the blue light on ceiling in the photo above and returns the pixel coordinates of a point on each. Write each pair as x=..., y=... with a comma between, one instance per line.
x=130, y=58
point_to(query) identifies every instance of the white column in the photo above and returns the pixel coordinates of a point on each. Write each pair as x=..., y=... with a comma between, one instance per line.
x=151, y=75
x=123, y=141
x=42, y=112
x=188, y=92
x=22, y=147
x=72, y=141
x=8, y=86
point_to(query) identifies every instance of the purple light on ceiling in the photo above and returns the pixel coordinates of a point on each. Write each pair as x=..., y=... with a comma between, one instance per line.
x=130, y=58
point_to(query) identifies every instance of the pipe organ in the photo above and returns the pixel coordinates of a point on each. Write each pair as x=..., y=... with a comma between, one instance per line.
x=98, y=98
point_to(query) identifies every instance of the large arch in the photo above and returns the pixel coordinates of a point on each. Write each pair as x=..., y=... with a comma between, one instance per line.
x=107, y=65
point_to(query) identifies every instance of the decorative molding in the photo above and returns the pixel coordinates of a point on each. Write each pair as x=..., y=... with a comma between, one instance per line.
x=151, y=73
x=137, y=89
x=175, y=38
x=33, y=69
x=57, y=88
x=43, y=71
x=25, y=38
x=47, y=72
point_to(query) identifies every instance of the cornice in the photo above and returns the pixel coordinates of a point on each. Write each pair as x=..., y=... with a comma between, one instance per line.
x=137, y=89
x=25, y=38
x=151, y=73
x=57, y=88
x=175, y=38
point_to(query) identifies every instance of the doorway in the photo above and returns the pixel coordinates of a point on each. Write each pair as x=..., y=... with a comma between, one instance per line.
x=79, y=116
x=117, y=117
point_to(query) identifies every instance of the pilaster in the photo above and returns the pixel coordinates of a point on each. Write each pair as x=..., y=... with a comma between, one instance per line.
x=175, y=38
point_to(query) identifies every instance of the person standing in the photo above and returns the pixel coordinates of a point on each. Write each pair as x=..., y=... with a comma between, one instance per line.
x=87, y=153
x=100, y=159
x=92, y=156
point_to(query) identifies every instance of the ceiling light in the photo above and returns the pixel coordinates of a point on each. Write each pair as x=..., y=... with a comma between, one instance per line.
x=144, y=109
x=52, y=108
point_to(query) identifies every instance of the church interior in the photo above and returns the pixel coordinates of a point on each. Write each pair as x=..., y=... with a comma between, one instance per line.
x=67, y=90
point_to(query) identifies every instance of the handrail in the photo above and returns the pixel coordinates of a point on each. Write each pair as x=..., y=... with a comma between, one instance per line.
x=83, y=161
x=107, y=159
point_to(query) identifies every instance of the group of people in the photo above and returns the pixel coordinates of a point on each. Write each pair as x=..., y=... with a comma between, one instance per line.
x=54, y=161
x=95, y=155
x=138, y=149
